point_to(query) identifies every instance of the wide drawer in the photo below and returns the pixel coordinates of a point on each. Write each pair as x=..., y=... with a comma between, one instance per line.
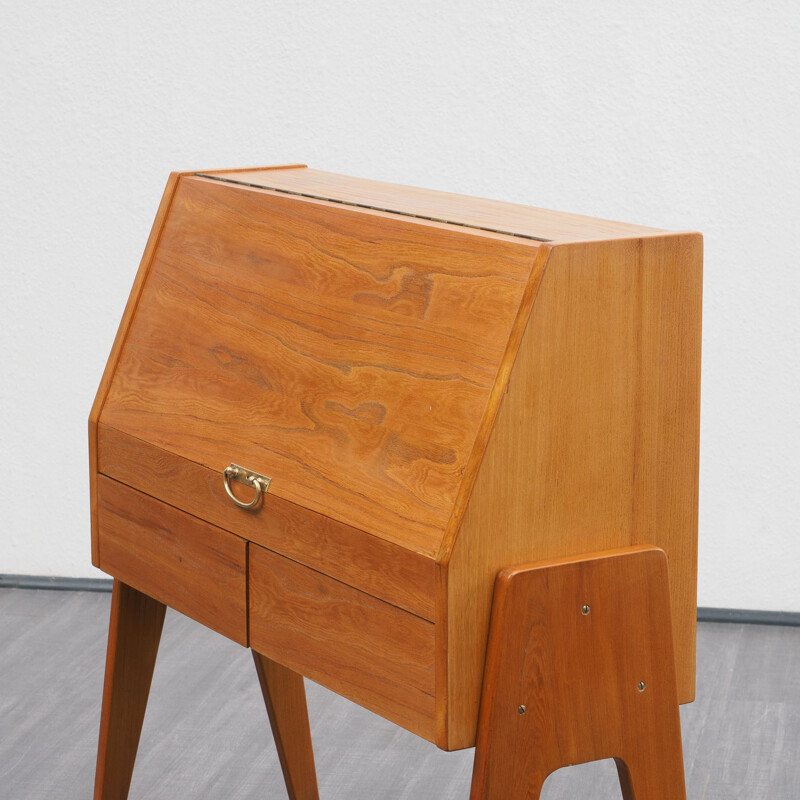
x=369, y=651
x=381, y=568
x=191, y=566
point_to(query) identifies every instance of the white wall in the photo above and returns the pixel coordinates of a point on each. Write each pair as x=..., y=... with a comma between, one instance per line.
x=679, y=115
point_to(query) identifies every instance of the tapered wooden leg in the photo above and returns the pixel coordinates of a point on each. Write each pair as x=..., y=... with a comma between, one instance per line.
x=580, y=667
x=133, y=635
x=643, y=778
x=285, y=698
x=624, y=779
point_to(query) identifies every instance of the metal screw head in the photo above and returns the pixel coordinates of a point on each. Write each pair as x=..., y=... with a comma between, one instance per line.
x=522, y=709
x=585, y=610
x=642, y=686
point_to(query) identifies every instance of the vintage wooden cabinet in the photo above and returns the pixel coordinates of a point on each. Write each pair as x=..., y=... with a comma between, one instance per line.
x=420, y=390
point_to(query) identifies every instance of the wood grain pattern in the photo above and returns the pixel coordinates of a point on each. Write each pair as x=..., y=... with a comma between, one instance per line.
x=555, y=226
x=595, y=446
x=285, y=698
x=362, y=648
x=349, y=358
x=122, y=332
x=191, y=566
x=383, y=569
x=116, y=350
x=134, y=632
x=591, y=686
x=432, y=402
x=462, y=499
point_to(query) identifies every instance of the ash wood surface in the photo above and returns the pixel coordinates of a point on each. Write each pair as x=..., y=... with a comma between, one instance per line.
x=191, y=566
x=595, y=446
x=553, y=226
x=432, y=402
x=122, y=332
x=285, y=697
x=579, y=677
x=134, y=632
x=383, y=569
x=116, y=350
x=349, y=358
x=362, y=648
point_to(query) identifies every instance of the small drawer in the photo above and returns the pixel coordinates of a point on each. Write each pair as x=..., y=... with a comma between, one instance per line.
x=377, y=567
x=376, y=654
x=191, y=566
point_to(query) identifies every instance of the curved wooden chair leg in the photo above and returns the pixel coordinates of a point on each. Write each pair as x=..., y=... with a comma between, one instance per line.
x=285, y=698
x=134, y=633
x=580, y=667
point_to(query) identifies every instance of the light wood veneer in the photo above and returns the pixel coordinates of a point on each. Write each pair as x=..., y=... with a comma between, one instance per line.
x=439, y=388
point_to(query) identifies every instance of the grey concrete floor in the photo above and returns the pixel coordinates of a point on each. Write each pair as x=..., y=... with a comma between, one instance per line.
x=206, y=733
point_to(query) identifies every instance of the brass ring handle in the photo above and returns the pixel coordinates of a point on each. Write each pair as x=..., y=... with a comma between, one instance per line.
x=234, y=472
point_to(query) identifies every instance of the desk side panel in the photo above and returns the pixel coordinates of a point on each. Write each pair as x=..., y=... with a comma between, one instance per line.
x=596, y=445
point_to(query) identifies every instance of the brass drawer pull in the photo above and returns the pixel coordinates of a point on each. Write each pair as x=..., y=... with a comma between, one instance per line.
x=259, y=482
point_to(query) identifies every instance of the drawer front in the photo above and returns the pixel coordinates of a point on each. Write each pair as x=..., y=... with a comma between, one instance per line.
x=191, y=566
x=383, y=569
x=369, y=651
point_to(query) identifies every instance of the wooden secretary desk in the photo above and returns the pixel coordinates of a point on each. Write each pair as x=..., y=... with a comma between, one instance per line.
x=438, y=454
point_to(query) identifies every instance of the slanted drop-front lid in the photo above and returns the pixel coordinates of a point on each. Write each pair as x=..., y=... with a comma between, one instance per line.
x=347, y=355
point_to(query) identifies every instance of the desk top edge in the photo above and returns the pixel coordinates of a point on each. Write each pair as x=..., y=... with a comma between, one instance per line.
x=492, y=216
